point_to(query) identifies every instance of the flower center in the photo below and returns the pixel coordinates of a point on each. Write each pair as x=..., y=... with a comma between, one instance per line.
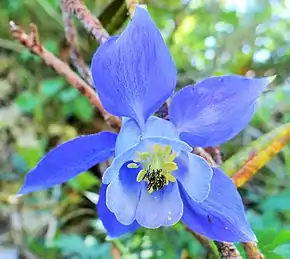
x=157, y=167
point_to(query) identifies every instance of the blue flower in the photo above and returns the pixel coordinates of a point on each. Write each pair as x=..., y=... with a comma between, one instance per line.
x=154, y=179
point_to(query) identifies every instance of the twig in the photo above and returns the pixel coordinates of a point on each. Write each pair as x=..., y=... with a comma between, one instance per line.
x=75, y=56
x=131, y=6
x=228, y=250
x=31, y=42
x=116, y=254
x=215, y=153
x=163, y=111
x=201, y=152
x=90, y=22
x=252, y=251
x=205, y=242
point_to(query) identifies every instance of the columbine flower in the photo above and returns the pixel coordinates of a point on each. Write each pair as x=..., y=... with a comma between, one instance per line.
x=154, y=179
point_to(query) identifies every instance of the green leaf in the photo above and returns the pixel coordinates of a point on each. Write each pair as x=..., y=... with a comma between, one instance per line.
x=280, y=239
x=25, y=55
x=52, y=46
x=50, y=87
x=85, y=248
x=31, y=155
x=28, y=101
x=19, y=163
x=277, y=203
x=283, y=250
x=68, y=95
x=272, y=255
x=39, y=246
x=83, y=181
x=83, y=109
x=266, y=237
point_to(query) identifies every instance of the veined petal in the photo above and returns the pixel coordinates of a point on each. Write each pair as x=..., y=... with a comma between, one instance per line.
x=160, y=131
x=225, y=132
x=177, y=145
x=157, y=127
x=112, y=171
x=136, y=68
x=195, y=175
x=128, y=136
x=160, y=208
x=144, y=145
x=131, y=133
x=123, y=195
x=215, y=109
x=68, y=160
x=221, y=216
x=113, y=226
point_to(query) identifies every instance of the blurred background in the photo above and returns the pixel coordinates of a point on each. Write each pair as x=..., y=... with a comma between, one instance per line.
x=39, y=109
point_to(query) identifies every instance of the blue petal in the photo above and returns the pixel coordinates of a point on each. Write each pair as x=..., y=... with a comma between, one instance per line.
x=128, y=136
x=160, y=131
x=123, y=195
x=113, y=226
x=112, y=171
x=177, y=145
x=216, y=109
x=136, y=68
x=144, y=145
x=156, y=131
x=195, y=174
x=157, y=127
x=68, y=160
x=130, y=132
x=221, y=216
x=160, y=208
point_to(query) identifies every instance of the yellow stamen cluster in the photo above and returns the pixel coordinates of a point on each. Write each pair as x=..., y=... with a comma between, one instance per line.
x=157, y=167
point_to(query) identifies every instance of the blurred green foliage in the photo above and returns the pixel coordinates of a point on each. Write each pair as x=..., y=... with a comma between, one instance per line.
x=39, y=109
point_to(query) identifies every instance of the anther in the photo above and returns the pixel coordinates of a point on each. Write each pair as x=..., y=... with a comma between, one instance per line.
x=156, y=167
x=156, y=180
x=132, y=165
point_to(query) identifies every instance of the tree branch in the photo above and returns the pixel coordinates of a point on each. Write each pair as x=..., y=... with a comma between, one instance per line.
x=252, y=251
x=90, y=22
x=215, y=153
x=71, y=38
x=131, y=6
x=206, y=243
x=228, y=250
x=201, y=152
x=31, y=42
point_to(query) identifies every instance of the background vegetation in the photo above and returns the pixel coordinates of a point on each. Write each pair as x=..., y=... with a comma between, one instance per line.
x=39, y=109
